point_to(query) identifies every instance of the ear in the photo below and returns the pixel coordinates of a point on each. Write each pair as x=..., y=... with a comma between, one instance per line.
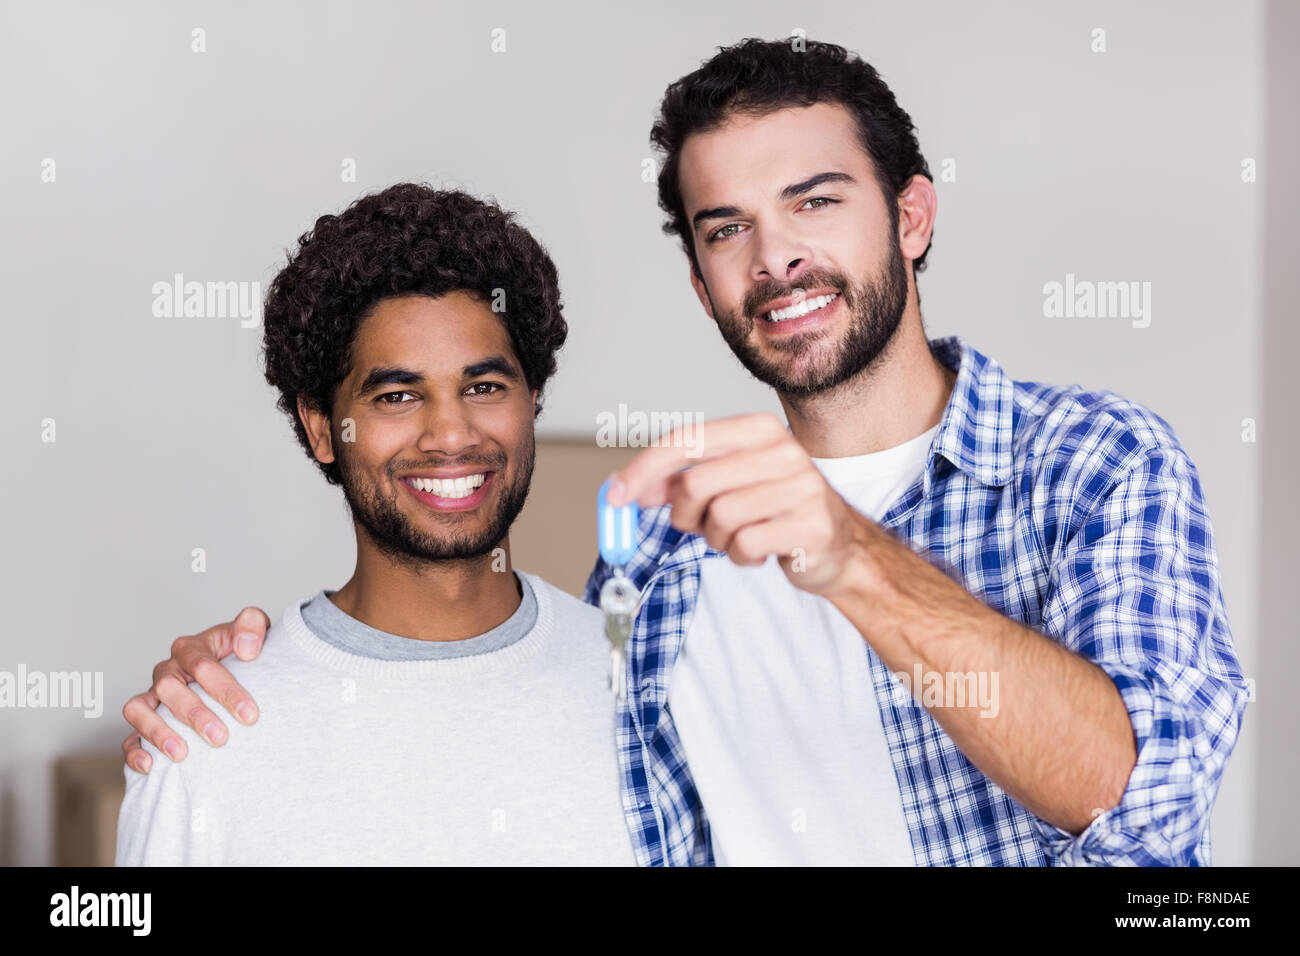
x=533, y=396
x=317, y=425
x=917, y=206
x=701, y=291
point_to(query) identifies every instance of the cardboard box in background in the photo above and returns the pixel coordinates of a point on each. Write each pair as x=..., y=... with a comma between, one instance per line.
x=88, y=790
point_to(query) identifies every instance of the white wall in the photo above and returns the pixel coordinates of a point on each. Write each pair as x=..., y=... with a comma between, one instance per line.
x=1123, y=165
x=1277, y=715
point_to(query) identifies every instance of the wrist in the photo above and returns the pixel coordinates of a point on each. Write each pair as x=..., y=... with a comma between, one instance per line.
x=859, y=582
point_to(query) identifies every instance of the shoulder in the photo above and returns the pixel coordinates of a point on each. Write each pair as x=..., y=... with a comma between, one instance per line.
x=1067, y=436
x=579, y=628
x=1093, y=458
x=265, y=677
x=566, y=608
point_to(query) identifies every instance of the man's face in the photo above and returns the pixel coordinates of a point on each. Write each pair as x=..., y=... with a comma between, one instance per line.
x=785, y=212
x=443, y=450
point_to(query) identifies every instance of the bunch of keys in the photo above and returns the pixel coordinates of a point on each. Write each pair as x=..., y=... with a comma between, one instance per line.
x=618, y=532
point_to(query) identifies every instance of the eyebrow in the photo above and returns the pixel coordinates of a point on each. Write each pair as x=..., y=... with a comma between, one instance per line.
x=789, y=192
x=388, y=375
x=396, y=375
x=492, y=365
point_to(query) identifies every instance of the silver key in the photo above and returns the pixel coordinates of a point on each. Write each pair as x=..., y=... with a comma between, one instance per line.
x=619, y=599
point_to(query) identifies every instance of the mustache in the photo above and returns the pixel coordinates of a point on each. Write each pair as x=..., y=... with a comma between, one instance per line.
x=487, y=464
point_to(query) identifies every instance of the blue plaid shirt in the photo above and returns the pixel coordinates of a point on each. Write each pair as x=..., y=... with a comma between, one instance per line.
x=1077, y=513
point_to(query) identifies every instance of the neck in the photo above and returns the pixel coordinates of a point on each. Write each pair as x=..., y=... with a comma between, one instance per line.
x=902, y=394
x=429, y=601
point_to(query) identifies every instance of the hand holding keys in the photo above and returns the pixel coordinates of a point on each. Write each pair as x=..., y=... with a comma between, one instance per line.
x=618, y=532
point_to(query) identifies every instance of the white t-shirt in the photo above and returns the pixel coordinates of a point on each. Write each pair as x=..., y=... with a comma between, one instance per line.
x=773, y=700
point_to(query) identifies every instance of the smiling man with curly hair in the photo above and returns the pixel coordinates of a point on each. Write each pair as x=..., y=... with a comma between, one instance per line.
x=439, y=708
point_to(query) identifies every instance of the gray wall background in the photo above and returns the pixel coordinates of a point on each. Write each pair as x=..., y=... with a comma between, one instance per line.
x=1117, y=166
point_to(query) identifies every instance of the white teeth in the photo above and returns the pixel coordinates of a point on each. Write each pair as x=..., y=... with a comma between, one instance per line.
x=449, y=487
x=800, y=308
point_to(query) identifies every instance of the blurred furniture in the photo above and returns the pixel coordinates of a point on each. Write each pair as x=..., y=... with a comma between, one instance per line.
x=88, y=790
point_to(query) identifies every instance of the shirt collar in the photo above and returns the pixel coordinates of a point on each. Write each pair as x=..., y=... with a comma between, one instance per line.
x=975, y=432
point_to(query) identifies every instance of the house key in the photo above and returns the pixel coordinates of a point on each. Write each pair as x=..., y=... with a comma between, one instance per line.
x=618, y=532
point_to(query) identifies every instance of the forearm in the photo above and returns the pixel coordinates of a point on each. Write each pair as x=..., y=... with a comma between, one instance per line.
x=1057, y=737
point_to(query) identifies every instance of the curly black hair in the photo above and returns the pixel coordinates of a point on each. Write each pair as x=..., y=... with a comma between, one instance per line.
x=408, y=239
x=757, y=77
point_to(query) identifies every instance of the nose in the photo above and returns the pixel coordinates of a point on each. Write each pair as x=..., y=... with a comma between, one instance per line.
x=448, y=429
x=778, y=255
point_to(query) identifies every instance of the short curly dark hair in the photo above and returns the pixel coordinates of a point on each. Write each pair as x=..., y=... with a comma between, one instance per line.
x=408, y=239
x=757, y=77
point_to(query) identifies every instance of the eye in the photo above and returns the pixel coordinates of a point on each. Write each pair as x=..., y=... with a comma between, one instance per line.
x=717, y=234
x=822, y=199
x=391, y=398
x=494, y=386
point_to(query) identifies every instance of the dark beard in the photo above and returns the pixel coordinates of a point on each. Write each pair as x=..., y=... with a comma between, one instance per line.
x=875, y=311
x=396, y=537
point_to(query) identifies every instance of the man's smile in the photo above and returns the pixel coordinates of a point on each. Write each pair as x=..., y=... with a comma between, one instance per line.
x=797, y=315
x=462, y=492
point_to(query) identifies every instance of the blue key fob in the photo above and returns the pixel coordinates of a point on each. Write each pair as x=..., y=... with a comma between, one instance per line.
x=618, y=530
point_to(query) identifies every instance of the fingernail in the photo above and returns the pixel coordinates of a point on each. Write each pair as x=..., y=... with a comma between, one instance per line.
x=245, y=645
x=616, y=492
x=246, y=712
x=142, y=763
x=213, y=732
x=170, y=747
